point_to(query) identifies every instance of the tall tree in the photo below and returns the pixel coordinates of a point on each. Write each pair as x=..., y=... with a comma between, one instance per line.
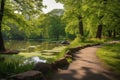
x=100, y=26
x=74, y=16
x=20, y=6
x=52, y=26
x=98, y=15
x=2, y=47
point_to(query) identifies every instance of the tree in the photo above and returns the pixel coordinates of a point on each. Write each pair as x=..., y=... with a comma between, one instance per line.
x=105, y=17
x=2, y=47
x=97, y=15
x=75, y=13
x=56, y=29
x=52, y=26
x=21, y=6
x=112, y=18
x=100, y=26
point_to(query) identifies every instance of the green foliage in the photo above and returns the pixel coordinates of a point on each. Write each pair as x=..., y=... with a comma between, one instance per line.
x=12, y=64
x=95, y=40
x=93, y=14
x=24, y=19
x=62, y=53
x=52, y=26
x=85, y=36
x=28, y=7
x=18, y=18
x=72, y=27
x=76, y=42
x=110, y=56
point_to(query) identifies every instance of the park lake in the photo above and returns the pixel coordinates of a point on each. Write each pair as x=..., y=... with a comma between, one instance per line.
x=30, y=53
x=35, y=51
x=22, y=45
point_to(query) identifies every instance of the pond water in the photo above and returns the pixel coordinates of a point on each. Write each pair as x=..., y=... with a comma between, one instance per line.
x=10, y=64
x=34, y=59
x=24, y=45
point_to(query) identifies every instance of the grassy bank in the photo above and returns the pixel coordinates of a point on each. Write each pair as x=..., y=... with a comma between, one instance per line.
x=110, y=56
x=12, y=64
x=77, y=42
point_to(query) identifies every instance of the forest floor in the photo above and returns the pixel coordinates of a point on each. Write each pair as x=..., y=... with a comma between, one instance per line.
x=86, y=66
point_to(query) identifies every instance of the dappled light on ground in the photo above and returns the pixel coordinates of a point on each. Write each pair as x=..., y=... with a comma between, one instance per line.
x=85, y=67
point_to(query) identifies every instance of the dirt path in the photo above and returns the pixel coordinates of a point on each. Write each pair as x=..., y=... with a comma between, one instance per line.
x=85, y=67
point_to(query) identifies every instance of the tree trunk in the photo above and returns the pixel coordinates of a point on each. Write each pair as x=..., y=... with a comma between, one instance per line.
x=99, y=31
x=110, y=33
x=81, y=31
x=114, y=33
x=2, y=48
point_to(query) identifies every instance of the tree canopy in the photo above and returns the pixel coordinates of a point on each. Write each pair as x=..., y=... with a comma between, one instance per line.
x=93, y=14
x=24, y=19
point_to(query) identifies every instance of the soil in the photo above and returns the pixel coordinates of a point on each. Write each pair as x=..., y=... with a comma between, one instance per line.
x=10, y=52
x=86, y=66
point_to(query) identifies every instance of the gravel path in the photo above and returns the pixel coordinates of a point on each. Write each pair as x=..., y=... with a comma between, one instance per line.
x=85, y=67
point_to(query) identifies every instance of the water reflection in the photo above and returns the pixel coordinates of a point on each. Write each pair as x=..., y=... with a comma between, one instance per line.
x=37, y=59
x=29, y=46
x=34, y=60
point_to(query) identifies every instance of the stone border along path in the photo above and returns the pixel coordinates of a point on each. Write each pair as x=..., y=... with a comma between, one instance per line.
x=86, y=66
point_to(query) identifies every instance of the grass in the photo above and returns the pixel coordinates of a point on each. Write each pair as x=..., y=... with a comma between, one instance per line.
x=27, y=55
x=12, y=63
x=110, y=56
x=77, y=42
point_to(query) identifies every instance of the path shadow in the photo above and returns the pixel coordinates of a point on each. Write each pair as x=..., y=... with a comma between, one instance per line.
x=66, y=76
x=81, y=59
x=83, y=73
x=89, y=75
x=89, y=61
x=65, y=67
x=85, y=60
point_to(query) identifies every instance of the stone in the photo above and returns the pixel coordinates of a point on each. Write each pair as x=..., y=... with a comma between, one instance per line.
x=68, y=52
x=89, y=45
x=9, y=52
x=29, y=75
x=65, y=42
x=68, y=56
x=61, y=63
x=43, y=67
